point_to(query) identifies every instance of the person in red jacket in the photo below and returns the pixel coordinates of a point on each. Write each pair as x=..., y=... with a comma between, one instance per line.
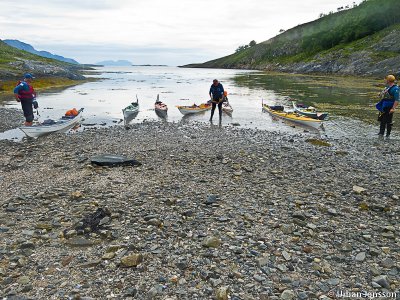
x=25, y=94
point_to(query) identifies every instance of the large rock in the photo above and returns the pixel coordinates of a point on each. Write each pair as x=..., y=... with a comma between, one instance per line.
x=288, y=295
x=132, y=260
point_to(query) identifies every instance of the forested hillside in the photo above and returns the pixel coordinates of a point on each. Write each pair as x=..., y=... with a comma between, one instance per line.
x=361, y=40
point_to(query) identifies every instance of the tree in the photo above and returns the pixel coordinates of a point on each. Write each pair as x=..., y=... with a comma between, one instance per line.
x=241, y=48
x=252, y=43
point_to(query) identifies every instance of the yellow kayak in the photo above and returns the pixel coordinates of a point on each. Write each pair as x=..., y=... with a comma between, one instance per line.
x=193, y=109
x=293, y=116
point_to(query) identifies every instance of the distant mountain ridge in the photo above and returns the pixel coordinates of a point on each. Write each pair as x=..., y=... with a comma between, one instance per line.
x=15, y=62
x=29, y=48
x=114, y=63
x=364, y=40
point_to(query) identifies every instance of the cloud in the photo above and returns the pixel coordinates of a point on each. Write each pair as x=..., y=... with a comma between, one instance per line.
x=206, y=29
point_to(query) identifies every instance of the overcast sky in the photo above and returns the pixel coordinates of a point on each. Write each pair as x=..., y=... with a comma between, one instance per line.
x=171, y=32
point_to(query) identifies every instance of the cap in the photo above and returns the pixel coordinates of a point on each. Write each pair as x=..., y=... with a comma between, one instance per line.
x=391, y=78
x=28, y=76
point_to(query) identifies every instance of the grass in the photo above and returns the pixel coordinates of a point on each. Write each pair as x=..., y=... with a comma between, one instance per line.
x=41, y=84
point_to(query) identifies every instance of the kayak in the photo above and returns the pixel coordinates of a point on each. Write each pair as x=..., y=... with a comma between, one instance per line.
x=194, y=109
x=160, y=106
x=51, y=126
x=309, y=112
x=131, y=109
x=292, y=116
x=227, y=108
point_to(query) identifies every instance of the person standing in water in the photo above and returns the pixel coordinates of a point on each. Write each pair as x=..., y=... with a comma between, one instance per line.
x=387, y=105
x=216, y=94
x=25, y=94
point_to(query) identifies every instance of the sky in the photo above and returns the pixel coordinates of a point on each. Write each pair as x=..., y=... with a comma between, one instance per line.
x=170, y=32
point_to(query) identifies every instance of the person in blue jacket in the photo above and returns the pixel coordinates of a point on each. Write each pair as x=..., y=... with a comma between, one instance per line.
x=216, y=94
x=389, y=101
x=25, y=94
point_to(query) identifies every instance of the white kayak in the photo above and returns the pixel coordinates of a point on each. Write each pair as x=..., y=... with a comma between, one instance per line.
x=62, y=125
x=130, y=110
x=227, y=108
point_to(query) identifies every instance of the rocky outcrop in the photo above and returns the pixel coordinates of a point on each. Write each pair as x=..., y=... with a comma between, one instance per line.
x=40, y=68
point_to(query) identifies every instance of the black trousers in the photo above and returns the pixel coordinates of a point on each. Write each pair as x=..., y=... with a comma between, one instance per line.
x=386, y=121
x=27, y=107
x=219, y=110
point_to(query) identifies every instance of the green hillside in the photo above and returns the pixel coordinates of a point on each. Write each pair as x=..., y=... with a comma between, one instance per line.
x=15, y=62
x=361, y=40
x=49, y=73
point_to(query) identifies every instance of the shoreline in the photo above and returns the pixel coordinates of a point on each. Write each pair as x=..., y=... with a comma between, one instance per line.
x=41, y=84
x=211, y=212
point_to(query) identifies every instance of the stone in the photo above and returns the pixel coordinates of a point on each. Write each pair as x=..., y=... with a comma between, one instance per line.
x=154, y=222
x=358, y=189
x=4, y=229
x=89, y=264
x=288, y=295
x=388, y=263
x=211, y=199
x=222, y=293
x=27, y=245
x=23, y=280
x=154, y=292
x=382, y=280
x=262, y=261
x=132, y=260
x=80, y=242
x=311, y=226
x=360, y=257
x=211, y=242
x=259, y=278
x=108, y=255
x=287, y=256
x=332, y=212
x=299, y=215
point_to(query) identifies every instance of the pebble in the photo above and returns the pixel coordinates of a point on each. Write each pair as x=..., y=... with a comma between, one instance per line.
x=288, y=295
x=388, y=263
x=360, y=256
x=358, y=189
x=132, y=260
x=256, y=233
x=222, y=293
x=382, y=281
x=211, y=242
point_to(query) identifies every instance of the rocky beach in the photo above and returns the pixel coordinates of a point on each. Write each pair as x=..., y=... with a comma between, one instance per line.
x=211, y=213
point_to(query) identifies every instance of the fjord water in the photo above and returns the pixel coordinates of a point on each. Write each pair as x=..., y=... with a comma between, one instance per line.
x=104, y=99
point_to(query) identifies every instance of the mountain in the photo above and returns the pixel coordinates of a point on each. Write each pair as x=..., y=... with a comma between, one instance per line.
x=26, y=47
x=114, y=63
x=15, y=62
x=364, y=40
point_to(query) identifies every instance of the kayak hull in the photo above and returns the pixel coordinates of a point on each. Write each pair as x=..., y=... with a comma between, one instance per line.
x=309, y=113
x=187, y=110
x=60, y=127
x=293, y=117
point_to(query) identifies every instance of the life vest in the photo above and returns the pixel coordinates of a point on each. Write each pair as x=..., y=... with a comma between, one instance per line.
x=71, y=113
x=26, y=95
x=385, y=94
x=387, y=99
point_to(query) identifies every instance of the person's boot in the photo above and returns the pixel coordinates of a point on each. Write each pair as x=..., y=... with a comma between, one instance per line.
x=28, y=124
x=388, y=130
x=382, y=129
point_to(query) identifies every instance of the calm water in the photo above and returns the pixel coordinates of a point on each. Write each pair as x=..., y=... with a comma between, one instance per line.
x=103, y=100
